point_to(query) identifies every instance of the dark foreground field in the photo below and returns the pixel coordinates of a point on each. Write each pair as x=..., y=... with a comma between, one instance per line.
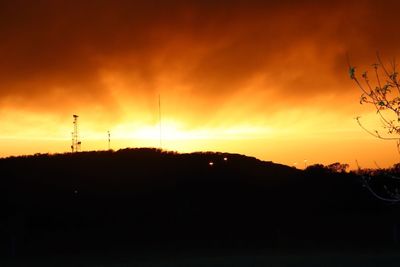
x=144, y=207
x=296, y=258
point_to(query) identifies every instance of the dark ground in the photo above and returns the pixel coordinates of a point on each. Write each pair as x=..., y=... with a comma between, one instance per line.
x=144, y=207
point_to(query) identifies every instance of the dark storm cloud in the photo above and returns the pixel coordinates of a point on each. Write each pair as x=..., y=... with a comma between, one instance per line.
x=53, y=49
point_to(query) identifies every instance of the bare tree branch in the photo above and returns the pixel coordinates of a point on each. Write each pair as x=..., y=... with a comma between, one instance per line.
x=383, y=99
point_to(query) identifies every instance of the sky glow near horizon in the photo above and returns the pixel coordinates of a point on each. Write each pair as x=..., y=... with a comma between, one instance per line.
x=262, y=78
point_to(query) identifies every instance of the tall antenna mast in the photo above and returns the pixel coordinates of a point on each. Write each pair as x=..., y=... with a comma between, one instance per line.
x=159, y=117
x=76, y=144
x=72, y=143
x=109, y=140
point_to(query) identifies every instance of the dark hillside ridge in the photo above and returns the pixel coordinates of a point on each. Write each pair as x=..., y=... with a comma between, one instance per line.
x=146, y=199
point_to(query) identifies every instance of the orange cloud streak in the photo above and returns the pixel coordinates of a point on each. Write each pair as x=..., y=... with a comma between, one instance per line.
x=264, y=79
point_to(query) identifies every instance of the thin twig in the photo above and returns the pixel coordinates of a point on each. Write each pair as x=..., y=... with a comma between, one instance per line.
x=377, y=135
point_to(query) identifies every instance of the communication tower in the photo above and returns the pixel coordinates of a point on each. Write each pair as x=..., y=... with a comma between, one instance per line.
x=76, y=143
x=109, y=140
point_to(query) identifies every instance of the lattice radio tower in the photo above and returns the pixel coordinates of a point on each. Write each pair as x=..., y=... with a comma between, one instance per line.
x=76, y=144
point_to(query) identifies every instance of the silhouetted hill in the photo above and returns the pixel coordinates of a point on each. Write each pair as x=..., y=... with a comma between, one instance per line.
x=146, y=199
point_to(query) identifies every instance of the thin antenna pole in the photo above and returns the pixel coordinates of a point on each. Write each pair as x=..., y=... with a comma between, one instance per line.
x=109, y=140
x=73, y=142
x=159, y=118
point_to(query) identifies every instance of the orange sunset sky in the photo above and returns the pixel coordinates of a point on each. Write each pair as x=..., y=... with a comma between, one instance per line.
x=263, y=78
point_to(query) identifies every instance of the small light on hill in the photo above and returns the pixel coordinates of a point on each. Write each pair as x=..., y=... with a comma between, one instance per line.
x=211, y=163
x=225, y=159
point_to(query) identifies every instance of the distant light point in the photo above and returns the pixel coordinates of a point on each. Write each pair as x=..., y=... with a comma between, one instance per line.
x=211, y=163
x=225, y=159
